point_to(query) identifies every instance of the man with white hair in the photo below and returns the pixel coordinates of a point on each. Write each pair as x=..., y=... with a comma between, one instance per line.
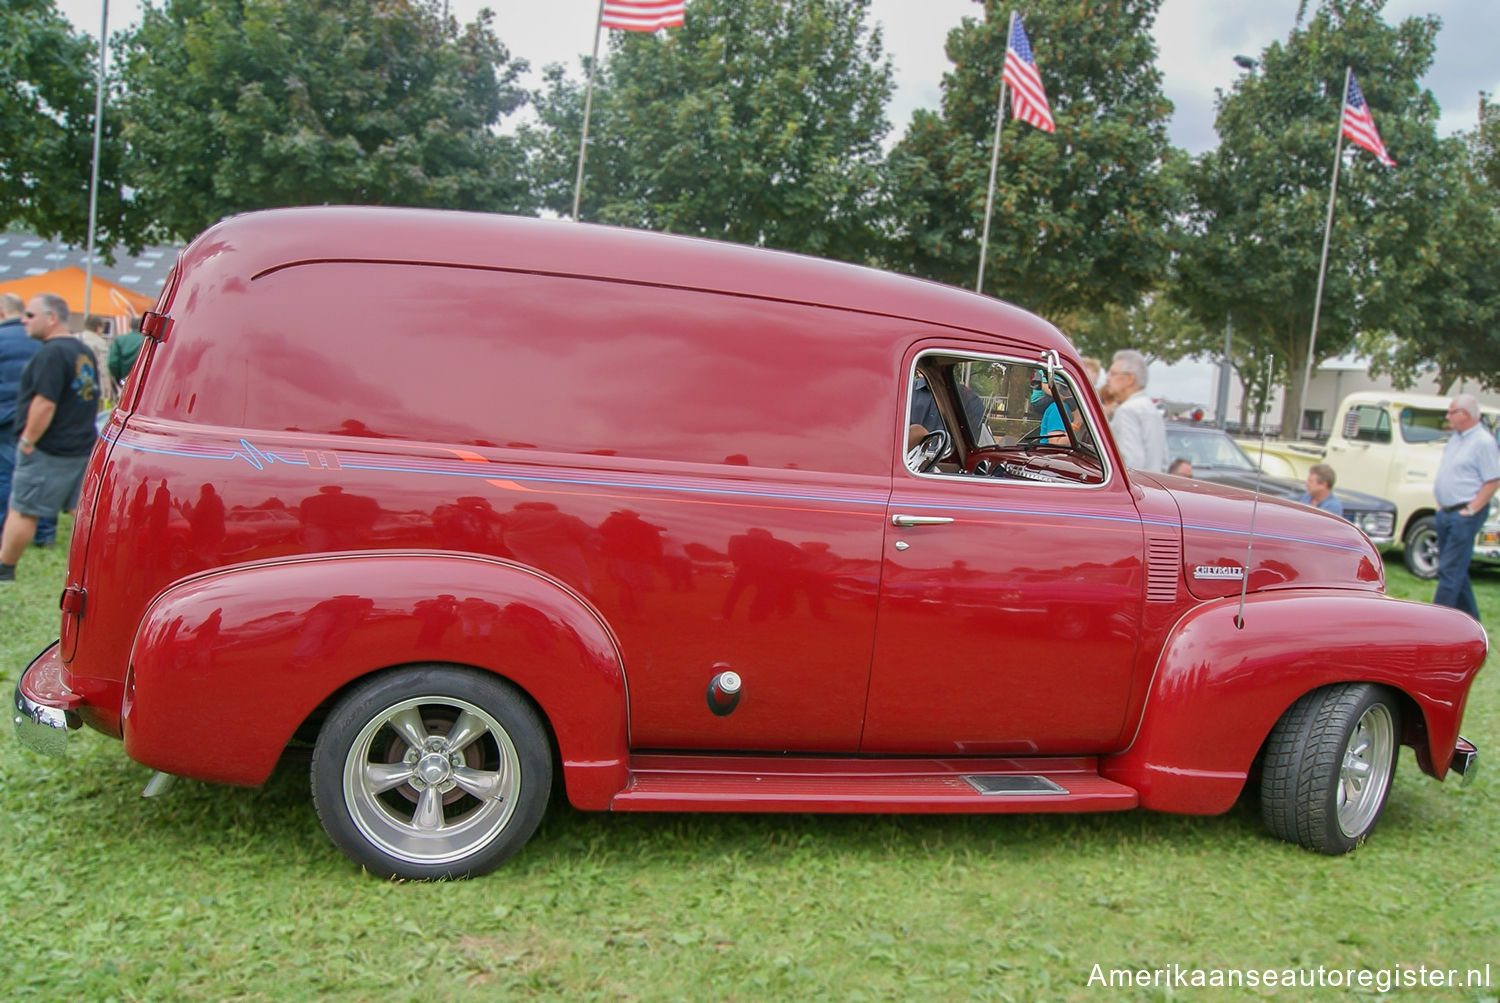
x=1140, y=434
x=1466, y=480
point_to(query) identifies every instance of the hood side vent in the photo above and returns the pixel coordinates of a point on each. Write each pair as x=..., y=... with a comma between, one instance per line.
x=1163, y=568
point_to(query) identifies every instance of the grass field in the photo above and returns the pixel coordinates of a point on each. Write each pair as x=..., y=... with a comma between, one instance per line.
x=216, y=893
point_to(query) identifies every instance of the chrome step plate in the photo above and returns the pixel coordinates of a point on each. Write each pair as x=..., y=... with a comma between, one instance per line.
x=1005, y=784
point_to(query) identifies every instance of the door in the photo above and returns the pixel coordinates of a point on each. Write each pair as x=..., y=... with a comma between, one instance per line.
x=1012, y=576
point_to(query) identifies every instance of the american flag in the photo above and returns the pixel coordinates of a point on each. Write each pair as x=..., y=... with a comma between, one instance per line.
x=1028, y=99
x=642, y=15
x=1360, y=127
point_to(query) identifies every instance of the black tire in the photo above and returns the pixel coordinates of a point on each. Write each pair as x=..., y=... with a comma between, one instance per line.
x=399, y=800
x=1328, y=767
x=1420, y=548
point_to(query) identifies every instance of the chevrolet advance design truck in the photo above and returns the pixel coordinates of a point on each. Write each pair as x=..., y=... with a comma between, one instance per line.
x=474, y=511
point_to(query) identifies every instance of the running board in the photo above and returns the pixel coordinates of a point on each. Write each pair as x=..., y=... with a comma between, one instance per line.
x=663, y=782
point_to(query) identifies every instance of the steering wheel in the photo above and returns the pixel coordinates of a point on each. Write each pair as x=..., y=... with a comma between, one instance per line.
x=931, y=448
x=1033, y=438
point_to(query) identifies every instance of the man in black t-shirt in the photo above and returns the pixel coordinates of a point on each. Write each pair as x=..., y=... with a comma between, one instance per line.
x=56, y=405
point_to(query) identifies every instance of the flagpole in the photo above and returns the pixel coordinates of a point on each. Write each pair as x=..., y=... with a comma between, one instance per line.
x=989, y=193
x=588, y=107
x=1312, y=338
x=88, y=267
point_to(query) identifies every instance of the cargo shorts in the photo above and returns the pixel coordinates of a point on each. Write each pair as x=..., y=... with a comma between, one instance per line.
x=44, y=484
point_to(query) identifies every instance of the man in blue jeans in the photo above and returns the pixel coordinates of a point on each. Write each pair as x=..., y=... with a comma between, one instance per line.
x=16, y=349
x=1466, y=481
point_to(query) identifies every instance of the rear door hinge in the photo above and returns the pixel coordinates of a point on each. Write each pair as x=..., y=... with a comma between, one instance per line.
x=73, y=599
x=155, y=325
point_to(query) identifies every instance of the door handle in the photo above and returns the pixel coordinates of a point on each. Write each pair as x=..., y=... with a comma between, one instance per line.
x=920, y=520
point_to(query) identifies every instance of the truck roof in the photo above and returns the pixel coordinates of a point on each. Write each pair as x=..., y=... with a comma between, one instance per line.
x=258, y=243
x=1385, y=398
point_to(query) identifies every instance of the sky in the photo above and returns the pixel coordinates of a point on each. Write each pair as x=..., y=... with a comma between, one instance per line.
x=1197, y=41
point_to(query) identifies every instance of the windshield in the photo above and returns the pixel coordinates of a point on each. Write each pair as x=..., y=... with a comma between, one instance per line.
x=1420, y=424
x=1429, y=425
x=1207, y=450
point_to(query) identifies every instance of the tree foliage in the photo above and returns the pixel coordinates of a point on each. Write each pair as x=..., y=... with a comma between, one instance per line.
x=1155, y=325
x=1260, y=198
x=757, y=121
x=1448, y=312
x=48, y=77
x=1082, y=217
x=235, y=105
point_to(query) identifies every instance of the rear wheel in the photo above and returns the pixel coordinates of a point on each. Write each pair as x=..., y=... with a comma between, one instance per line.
x=1328, y=767
x=1421, y=548
x=431, y=772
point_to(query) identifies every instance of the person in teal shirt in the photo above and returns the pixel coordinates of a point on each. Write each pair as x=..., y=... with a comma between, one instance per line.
x=1053, y=429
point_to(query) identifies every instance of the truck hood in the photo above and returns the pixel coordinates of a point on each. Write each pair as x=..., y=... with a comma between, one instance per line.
x=1294, y=546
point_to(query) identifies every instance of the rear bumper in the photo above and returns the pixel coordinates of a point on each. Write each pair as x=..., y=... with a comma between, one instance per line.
x=1465, y=760
x=45, y=709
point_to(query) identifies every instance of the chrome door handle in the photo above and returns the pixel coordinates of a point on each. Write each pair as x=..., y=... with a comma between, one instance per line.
x=920, y=520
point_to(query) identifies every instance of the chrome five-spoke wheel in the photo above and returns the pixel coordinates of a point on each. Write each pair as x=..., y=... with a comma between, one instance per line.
x=1365, y=776
x=1328, y=766
x=431, y=772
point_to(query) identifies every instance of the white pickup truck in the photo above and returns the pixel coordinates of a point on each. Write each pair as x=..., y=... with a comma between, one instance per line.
x=1388, y=443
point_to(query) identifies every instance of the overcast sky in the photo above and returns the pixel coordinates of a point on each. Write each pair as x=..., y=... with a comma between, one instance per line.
x=1196, y=42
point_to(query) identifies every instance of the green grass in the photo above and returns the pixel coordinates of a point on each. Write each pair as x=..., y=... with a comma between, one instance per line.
x=218, y=893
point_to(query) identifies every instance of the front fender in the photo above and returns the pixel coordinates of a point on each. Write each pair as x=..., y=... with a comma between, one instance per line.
x=227, y=665
x=1218, y=690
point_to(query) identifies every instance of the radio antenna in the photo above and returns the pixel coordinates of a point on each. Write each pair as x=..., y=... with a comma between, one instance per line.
x=1239, y=618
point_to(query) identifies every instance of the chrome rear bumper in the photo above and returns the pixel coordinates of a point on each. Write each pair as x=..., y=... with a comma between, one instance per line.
x=44, y=709
x=1465, y=760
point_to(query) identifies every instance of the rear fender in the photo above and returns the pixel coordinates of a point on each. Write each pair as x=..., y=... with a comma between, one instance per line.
x=226, y=666
x=1218, y=689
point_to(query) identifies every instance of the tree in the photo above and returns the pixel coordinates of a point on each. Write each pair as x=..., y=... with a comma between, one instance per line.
x=757, y=121
x=1485, y=143
x=1259, y=200
x=243, y=104
x=1155, y=325
x=1082, y=216
x=47, y=94
x=1448, y=312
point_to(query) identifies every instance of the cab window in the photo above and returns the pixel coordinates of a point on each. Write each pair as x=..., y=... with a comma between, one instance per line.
x=1004, y=418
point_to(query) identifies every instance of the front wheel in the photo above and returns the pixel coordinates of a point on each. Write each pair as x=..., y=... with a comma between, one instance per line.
x=431, y=772
x=1420, y=548
x=1328, y=767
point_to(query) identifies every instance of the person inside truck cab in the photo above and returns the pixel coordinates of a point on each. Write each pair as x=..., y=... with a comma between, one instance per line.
x=923, y=417
x=924, y=409
x=1044, y=403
